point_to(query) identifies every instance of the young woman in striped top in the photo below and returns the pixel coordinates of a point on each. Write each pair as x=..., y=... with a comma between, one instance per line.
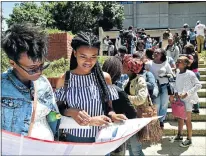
x=87, y=95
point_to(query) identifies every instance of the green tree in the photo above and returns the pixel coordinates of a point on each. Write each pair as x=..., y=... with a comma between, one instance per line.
x=113, y=15
x=4, y=61
x=30, y=12
x=70, y=16
x=76, y=16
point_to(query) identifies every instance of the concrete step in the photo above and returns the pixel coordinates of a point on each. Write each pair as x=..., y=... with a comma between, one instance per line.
x=202, y=93
x=202, y=77
x=202, y=71
x=166, y=148
x=202, y=102
x=203, y=83
x=195, y=117
x=171, y=128
x=201, y=62
x=201, y=65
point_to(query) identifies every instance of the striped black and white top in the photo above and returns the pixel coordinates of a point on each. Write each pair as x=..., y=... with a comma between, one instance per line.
x=83, y=93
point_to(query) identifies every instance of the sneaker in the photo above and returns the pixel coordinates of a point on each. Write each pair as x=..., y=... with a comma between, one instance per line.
x=196, y=111
x=176, y=138
x=186, y=143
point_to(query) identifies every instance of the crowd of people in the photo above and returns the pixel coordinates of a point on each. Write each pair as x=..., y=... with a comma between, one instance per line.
x=138, y=40
x=91, y=94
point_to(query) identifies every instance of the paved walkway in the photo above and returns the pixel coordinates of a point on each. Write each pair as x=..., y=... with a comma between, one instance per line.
x=173, y=149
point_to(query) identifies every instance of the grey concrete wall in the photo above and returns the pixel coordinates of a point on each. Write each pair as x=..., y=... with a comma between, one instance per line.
x=163, y=14
x=187, y=13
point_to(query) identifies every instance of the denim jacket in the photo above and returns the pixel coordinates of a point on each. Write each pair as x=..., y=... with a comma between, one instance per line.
x=16, y=102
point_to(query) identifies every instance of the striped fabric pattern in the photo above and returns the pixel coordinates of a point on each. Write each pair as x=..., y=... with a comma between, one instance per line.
x=83, y=93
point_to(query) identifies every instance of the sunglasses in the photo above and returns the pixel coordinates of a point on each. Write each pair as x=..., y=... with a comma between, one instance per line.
x=36, y=70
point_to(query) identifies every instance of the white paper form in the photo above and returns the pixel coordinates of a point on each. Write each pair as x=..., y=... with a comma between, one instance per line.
x=116, y=131
x=13, y=144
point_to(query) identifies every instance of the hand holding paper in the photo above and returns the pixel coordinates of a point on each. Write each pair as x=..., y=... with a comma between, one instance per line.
x=100, y=120
x=80, y=116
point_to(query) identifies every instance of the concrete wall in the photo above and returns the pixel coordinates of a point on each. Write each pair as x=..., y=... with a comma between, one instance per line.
x=163, y=14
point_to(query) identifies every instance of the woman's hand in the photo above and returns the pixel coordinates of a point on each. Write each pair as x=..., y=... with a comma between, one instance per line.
x=80, y=116
x=100, y=120
x=182, y=96
x=118, y=117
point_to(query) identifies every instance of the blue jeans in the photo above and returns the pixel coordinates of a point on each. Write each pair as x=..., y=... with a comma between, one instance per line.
x=197, y=105
x=135, y=147
x=197, y=75
x=162, y=102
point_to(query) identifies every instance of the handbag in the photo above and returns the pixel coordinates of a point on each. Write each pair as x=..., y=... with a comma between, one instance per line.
x=152, y=132
x=178, y=109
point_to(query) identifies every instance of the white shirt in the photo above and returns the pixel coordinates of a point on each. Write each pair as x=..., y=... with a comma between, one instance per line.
x=173, y=51
x=111, y=50
x=118, y=42
x=187, y=83
x=159, y=70
x=41, y=128
x=200, y=29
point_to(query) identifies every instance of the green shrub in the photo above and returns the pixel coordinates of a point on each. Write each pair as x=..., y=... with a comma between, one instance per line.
x=55, y=31
x=101, y=59
x=4, y=62
x=57, y=68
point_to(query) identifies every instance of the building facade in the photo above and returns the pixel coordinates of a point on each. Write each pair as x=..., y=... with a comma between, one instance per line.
x=160, y=15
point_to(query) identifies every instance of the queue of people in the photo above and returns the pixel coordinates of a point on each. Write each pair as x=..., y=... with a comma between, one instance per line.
x=89, y=94
x=138, y=40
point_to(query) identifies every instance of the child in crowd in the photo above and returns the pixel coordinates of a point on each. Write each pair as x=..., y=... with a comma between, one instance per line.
x=186, y=87
x=193, y=58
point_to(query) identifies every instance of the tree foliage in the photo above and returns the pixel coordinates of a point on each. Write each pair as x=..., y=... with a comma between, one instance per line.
x=57, y=68
x=76, y=16
x=30, y=12
x=4, y=61
x=69, y=16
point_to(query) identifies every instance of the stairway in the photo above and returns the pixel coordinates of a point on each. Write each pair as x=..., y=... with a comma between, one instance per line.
x=198, y=120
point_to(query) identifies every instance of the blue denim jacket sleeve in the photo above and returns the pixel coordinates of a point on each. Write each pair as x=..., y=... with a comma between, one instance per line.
x=16, y=108
x=16, y=103
x=150, y=80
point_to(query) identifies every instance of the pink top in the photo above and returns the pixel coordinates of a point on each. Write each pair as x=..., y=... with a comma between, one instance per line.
x=195, y=70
